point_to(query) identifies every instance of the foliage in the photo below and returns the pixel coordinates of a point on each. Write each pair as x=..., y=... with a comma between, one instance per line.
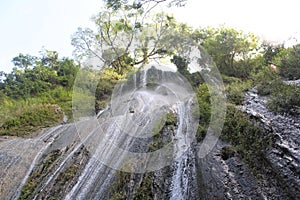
x=131, y=37
x=204, y=102
x=290, y=67
x=117, y=4
x=119, y=188
x=235, y=89
x=144, y=190
x=69, y=174
x=285, y=98
x=108, y=78
x=271, y=52
x=249, y=140
x=230, y=49
x=42, y=75
x=182, y=67
x=37, y=93
x=265, y=80
x=165, y=124
x=282, y=97
x=31, y=118
x=227, y=152
x=140, y=186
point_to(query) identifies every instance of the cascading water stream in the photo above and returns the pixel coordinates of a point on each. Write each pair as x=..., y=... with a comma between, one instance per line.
x=21, y=156
x=65, y=160
x=96, y=177
x=50, y=138
x=184, y=167
x=154, y=94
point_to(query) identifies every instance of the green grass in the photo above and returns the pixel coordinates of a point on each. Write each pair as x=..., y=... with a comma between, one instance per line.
x=30, y=118
x=23, y=116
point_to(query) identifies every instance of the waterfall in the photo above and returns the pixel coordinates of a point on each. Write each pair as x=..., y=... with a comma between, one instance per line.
x=118, y=138
x=179, y=181
x=184, y=166
x=93, y=175
x=50, y=138
x=126, y=128
x=144, y=80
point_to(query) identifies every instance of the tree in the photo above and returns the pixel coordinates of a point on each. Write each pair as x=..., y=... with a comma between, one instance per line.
x=289, y=65
x=117, y=4
x=270, y=51
x=49, y=59
x=24, y=61
x=130, y=36
x=229, y=48
x=41, y=74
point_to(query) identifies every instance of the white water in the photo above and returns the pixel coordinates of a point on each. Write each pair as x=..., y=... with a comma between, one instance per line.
x=94, y=171
x=50, y=138
x=70, y=155
x=19, y=157
x=102, y=137
x=144, y=80
x=180, y=179
x=95, y=180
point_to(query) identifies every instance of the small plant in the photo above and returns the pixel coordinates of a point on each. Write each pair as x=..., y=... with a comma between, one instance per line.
x=227, y=152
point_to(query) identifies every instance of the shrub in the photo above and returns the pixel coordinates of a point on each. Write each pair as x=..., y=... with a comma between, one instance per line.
x=227, y=152
x=235, y=91
x=31, y=118
x=266, y=81
x=286, y=98
x=250, y=141
x=204, y=102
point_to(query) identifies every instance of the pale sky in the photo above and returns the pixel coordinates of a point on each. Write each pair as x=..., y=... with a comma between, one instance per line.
x=28, y=25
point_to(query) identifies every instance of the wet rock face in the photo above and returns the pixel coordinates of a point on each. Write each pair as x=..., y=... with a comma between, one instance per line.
x=222, y=174
x=65, y=168
x=226, y=177
x=284, y=156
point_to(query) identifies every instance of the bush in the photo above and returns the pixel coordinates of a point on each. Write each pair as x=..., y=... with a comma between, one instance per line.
x=235, y=91
x=286, y=98
x=204, y=102
x=227, y=152
x=283, y=97
x=250, y=141
x=31, y=118
x=266, y=81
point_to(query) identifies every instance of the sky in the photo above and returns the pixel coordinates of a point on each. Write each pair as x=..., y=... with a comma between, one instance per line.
x=27, y=26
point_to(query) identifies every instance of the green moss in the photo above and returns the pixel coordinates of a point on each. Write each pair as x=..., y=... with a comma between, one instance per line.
x=118, y=196
x=151, y=85
x=171, y=119
x=126, y=183
x=27, y=189
x=68, y=175
x=144, y=190
x=119, y=188
x=168, y=121
x=30, y=186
